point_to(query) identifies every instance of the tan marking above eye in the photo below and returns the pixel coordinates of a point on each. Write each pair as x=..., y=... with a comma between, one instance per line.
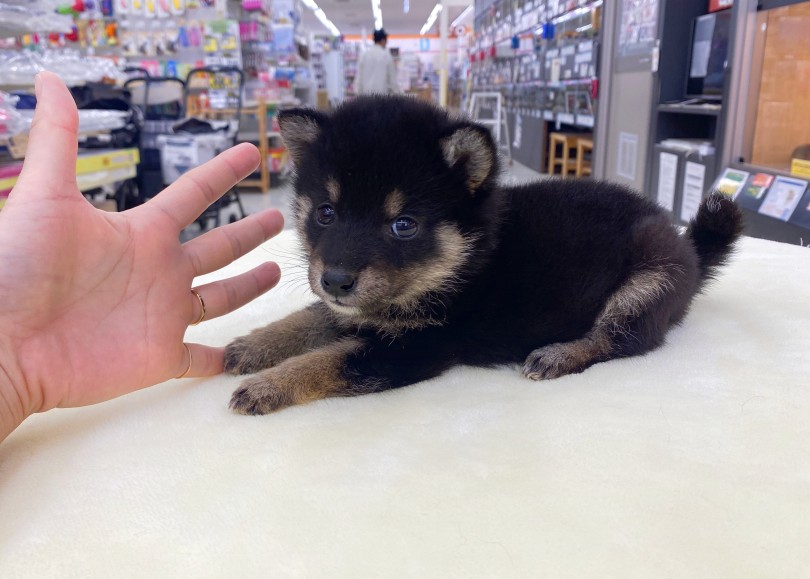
x=333, y=189
x=394, y=204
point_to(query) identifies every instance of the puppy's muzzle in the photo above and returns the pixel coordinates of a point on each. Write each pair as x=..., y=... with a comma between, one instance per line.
x=338, y=282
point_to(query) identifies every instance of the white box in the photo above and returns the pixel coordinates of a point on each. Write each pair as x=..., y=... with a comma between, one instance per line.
x=179, y=153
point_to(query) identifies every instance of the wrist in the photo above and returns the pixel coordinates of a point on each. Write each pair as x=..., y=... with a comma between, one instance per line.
x=13, y=405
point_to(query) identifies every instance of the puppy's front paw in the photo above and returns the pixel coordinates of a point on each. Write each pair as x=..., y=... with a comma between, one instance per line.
x=261, y=394
x=556, y=360
x=247, y=355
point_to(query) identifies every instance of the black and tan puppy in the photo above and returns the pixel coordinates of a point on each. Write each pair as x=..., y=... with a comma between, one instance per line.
x=422, y=261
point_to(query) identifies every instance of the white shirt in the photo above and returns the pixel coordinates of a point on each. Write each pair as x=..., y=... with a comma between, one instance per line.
x=376, y=72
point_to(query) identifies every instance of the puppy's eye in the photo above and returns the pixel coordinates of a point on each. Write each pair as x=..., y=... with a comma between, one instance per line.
x=404, y=227
x=325, y=214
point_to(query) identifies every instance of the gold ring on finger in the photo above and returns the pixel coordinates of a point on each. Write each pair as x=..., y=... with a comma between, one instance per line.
x=190, y=360
x=202, y=307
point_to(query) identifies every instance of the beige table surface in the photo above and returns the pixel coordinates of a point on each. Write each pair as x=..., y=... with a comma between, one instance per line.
x=693, y=461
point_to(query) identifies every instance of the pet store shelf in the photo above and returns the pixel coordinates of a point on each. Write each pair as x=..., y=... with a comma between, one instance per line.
x=93, y=169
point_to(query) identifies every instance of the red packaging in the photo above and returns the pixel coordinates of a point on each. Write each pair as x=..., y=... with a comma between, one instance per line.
x=715, y=5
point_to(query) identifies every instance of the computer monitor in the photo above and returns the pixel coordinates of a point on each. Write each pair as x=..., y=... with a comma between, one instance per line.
x=711, y=35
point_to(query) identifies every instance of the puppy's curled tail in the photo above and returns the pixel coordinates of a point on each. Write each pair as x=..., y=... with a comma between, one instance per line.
x=713, y=231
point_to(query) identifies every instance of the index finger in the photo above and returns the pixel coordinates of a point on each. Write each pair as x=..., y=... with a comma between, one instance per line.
x=184, y=200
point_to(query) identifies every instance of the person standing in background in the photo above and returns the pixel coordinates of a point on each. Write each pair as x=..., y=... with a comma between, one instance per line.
x=376, y=73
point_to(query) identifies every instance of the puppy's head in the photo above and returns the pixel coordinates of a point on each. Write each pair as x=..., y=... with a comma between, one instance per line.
x=393, y=201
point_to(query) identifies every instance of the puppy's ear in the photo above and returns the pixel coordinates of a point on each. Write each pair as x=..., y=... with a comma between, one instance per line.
x=299, y=129
x=472, y=147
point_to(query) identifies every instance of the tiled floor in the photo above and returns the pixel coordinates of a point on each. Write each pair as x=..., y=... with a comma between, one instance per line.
x=279, y=197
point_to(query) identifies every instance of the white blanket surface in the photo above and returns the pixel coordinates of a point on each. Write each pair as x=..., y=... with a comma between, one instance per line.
x=691, y=461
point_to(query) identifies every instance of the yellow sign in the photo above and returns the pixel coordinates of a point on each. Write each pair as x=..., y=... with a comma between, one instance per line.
x=800, y=167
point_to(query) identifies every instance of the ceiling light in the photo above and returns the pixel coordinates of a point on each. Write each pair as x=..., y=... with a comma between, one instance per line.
x=431, y=19
x=461, y=16
x=321, y=15
x=326, y=22
x=378, y=21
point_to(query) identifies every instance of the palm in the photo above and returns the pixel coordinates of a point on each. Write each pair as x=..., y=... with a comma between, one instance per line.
x=99, y=305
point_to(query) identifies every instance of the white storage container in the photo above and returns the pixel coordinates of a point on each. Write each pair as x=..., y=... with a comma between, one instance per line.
x=179, y=153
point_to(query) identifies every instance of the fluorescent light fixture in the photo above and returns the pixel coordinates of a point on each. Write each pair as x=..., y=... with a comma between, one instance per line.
x=321, y=15
x=461, y=16
x=431, y=19
x=406, y=6
x=378, y=21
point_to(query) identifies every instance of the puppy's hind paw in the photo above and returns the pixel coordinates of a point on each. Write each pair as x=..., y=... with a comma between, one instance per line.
x=556, y=360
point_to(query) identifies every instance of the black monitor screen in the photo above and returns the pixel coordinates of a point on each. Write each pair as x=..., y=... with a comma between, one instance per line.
x=707, y=62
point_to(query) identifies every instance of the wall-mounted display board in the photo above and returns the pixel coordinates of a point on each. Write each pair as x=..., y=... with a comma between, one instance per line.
x=638, y=23
x=542, y=56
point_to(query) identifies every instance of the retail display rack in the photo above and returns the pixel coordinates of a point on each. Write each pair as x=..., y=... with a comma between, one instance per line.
x=542, y=56
x=351, y=57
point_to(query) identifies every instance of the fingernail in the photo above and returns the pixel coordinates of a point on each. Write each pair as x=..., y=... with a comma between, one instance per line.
x=37, y=79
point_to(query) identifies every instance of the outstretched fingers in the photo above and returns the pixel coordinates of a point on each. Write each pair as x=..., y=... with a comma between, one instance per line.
x=219, y=247
x=185, y=199
x=224, y=296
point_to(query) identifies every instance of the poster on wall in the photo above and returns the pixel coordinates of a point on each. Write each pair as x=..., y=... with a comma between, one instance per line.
x=783, y=197
x=694, y=180
x=628, y=153
x=518, y=132
x=667, y=176
x=638, y=29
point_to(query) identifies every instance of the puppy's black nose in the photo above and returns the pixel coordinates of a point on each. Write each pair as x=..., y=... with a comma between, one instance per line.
x=337, y=282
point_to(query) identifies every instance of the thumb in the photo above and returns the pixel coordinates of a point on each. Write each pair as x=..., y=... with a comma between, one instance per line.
x=50, y=160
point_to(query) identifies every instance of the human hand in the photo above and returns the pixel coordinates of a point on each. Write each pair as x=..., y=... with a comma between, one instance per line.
x=94, y=304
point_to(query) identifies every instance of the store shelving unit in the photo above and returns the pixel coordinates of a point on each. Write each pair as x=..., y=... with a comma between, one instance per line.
x=675, y=117
x=95, y=170
x=351, y=57
x=549, y=84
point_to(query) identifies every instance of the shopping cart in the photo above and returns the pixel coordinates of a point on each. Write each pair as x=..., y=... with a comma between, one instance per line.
x=161, y=103
x=213, y=95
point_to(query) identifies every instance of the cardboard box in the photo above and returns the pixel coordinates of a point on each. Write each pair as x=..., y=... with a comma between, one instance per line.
x=322, y=100
x=800, y=167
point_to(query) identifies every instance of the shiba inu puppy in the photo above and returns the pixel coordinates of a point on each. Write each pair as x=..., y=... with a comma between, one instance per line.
x=422, y=261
